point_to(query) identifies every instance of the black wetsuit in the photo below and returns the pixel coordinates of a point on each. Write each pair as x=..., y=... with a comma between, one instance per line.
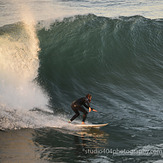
x=77, y=106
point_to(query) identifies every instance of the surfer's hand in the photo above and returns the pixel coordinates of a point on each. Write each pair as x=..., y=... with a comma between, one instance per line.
x=94, y=110
x=90, y=109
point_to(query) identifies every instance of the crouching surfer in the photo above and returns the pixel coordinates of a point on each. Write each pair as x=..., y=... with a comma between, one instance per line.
x=78, y=106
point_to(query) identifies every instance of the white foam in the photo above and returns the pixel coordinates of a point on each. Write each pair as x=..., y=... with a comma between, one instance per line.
x=18, y=68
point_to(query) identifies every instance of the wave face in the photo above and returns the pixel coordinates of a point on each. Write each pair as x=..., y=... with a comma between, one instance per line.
x=119, y=61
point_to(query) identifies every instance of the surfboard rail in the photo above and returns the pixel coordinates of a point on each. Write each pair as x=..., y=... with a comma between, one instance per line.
x=91, y=125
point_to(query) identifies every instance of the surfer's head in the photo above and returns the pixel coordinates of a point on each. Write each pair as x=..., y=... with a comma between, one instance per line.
x=89, y=97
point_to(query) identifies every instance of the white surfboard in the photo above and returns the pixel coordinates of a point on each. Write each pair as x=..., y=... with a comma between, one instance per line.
x=91, y=125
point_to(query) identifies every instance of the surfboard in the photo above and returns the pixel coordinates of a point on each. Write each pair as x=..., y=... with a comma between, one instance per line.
x=91, y=125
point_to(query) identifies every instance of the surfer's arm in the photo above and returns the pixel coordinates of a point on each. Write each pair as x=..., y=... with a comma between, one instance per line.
x=86, y=104
x=92, y=110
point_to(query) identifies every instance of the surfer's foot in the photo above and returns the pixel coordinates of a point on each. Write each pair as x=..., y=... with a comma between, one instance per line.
x=69, y=121
x=83, y=123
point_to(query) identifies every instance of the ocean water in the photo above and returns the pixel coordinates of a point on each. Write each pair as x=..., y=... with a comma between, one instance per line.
x=55, y=51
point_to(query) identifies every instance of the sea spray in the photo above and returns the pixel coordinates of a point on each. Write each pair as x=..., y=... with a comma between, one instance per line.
x=18, y=69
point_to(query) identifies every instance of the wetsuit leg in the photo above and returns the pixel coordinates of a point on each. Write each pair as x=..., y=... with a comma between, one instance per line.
x=75, y=109
x=80, y=108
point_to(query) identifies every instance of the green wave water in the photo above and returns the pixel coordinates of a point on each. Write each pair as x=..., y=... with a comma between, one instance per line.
x=118, y=61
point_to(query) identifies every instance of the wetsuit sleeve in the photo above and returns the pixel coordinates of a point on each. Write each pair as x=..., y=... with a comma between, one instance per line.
x=86, y=104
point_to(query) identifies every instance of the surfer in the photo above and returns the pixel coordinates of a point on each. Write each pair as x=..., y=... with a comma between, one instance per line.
x=78, y=106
